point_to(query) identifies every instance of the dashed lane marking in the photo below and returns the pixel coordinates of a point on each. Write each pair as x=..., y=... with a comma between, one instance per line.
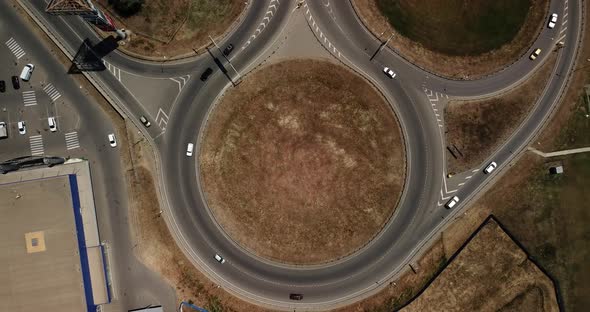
x=52, y=92
x=29, y=98
x=36, y=144
x=15, y=48
x=72, y=141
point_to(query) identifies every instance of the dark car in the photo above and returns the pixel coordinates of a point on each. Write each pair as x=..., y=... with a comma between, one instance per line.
x=228, y=49
x=15, y=82
x=2, y=86
x=205, y=75
x=295, y=296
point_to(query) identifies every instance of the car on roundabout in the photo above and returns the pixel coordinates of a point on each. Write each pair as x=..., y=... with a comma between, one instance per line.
x=389, y=72
x=452, y=203
x=490, y=167
x=219, y=259
x=552, y=21
x=534, y=55
x=112, y=140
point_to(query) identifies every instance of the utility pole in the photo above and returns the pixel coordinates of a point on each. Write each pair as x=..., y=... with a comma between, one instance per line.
x=228, y=61
x=381, y=47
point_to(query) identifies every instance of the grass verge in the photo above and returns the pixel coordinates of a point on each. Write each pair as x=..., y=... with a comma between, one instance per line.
x=175, y=27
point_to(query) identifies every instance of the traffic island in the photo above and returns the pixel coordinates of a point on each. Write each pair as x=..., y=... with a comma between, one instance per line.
x=302, y=163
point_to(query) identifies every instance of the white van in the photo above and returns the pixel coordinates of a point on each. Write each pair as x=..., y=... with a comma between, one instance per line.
x=25, y=75
x=52, y=124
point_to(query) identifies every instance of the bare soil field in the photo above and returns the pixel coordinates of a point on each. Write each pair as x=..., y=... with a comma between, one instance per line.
x=474, y=128
x=507, y=279
x=174, y=27
x=456, y=39
x=303, y=162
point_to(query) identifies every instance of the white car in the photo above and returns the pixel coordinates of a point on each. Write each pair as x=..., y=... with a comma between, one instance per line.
x=389, y=72
x=219, y=259
x=535, y=54
x=112, y=140
x=25, y=75
x=490, y=167
x=52, y=124
x=552, y=21
x=22, y=128
x=452, y=203
x=189, y=149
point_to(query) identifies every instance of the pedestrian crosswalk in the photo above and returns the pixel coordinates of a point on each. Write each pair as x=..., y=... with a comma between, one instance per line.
x=29, y=98
x=52, y=92
x=72, y=140
x=15, y=48
x=36, y=143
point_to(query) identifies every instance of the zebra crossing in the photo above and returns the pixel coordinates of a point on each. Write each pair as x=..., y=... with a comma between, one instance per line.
x=36, y=144
x=52, y=92
x=15, y=48
x=72, y=141
x=29, y=98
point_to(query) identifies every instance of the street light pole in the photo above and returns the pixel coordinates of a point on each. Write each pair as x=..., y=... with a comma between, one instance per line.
x=228, y=61
x=381, y=47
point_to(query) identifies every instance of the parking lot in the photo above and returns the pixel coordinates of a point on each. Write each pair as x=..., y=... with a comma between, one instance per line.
x=33, y=103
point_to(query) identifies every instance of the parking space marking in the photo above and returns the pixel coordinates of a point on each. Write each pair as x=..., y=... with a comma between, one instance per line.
x=29, y=98
x=15, y=48
x=52, y=92
x=72, y=141
x=36, y=144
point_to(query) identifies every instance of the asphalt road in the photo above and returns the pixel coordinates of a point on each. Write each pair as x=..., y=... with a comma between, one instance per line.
x=419, y=216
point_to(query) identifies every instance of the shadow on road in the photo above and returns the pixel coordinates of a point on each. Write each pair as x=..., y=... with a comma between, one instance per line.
x=89, y=55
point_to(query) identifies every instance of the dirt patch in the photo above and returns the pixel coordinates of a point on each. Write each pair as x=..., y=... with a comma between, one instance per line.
x=429, y=36
x=303, y=162
x=174, y=27
x=476, y=128
x=510, y=279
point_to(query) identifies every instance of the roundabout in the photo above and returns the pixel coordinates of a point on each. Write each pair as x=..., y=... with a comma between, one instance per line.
x=302, y=163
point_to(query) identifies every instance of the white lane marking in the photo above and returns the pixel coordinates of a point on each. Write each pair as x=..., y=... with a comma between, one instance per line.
x=270, y=12
x=36, y=144
x=15, y=48
x=468, y=177
x=72, y=141
x=52, y=92
x=462, y=183
x=29, y=98
x=163, y=119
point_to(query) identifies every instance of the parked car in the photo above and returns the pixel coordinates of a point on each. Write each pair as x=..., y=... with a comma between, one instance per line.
x=535, y=53
x=15, y=82
x=452, y=203
x=2, y=86
x=205, y=75
x=112, y=140
x=389, y=72
x=219, y=259
x=552, y=21
x=189, y=149
x=228, y=49
x=295, y=296
x=22, y=127
x=52, y=124
x=490, y=167
x=145, y=122
x=25, y=75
